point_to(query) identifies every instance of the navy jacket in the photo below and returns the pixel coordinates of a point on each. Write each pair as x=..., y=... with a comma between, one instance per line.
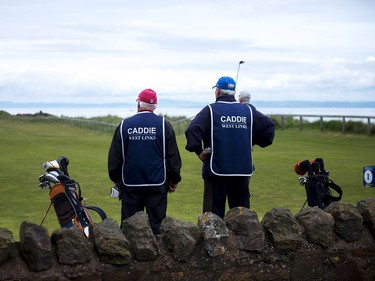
x=198, y=134
x=172, y=156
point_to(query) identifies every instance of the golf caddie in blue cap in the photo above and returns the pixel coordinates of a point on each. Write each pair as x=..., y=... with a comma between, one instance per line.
x=222, y=135
x=144, y=161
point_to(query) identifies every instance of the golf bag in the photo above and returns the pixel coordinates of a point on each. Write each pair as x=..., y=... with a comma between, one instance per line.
x=317, y=183
x=66, y=198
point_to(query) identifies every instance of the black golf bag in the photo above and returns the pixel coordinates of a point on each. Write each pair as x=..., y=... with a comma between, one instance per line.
x=317, y=183
x=66, y=198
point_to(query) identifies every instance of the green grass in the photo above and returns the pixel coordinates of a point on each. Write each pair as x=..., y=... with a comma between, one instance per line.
x=25, y=146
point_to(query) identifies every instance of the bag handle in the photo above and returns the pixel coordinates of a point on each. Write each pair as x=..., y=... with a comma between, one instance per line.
x=336, y=188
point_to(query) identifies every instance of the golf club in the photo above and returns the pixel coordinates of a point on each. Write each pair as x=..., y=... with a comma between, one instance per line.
x=315, y=167
x=50, y=165
x=64, y=162
x=238, y=70
x=50, y=177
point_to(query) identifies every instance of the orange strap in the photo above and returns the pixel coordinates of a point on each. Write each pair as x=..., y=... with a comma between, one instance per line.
x=45, y=215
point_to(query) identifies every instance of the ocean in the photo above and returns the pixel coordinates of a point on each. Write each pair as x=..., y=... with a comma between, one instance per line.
x=183, y=108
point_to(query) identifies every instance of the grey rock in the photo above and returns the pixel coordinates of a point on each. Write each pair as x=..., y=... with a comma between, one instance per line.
x=366, y=207
x=348, y=221
x=215, y=234
x=111, y=243
x=138, y=231
x=180, y=237
x=7, y=245
x=318, y=225
x=35, y=247
x=246, y=226
x=283, y=229
x=71, y=246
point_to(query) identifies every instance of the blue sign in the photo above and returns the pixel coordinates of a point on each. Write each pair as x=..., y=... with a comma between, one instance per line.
x=369, y=176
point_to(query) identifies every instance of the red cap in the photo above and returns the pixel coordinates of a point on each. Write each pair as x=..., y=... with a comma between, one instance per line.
x=148, y=96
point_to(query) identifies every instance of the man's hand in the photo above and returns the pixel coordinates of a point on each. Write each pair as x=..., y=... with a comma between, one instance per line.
x=172, y=187
x=204, y=153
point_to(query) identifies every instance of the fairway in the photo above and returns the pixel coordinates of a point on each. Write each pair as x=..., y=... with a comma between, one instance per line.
x=25, y=146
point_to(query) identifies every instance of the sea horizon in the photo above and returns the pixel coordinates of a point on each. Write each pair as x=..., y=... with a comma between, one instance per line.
x=189, y=108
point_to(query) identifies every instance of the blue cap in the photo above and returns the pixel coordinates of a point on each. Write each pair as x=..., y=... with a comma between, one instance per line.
x=226, y=83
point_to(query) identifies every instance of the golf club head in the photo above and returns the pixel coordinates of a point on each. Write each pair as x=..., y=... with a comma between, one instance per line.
x=307, y=165
x=50, y=165
x=42, y=178
x=50, y=177
x=315, y=167
x=321, y=162
x=45, y=184
x=302, y=180
x=299, y=169
x=302, y=167
x=64, y=162
x=64, y=178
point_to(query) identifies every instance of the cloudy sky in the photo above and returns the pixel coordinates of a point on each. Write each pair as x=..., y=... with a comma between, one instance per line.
x=108, y=51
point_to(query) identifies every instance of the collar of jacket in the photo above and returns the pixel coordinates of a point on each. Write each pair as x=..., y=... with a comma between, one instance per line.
x=229, y=98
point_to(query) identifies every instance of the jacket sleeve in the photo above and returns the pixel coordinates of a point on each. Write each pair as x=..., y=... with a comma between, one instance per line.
x=115, y=157
x=172, y=155
x=263, y=129
x=199, y=131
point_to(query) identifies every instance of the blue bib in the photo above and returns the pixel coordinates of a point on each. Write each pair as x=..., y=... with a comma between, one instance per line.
x=231, y=139
x=143, y=150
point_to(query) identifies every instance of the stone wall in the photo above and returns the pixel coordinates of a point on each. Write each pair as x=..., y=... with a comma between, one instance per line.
x=335, y=244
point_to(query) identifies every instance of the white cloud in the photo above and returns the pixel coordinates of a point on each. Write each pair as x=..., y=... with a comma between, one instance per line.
x=94, y=51
x=338, y=60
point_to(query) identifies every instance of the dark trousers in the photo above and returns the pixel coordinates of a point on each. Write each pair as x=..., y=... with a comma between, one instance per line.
x=218, y=188
x=153, y=199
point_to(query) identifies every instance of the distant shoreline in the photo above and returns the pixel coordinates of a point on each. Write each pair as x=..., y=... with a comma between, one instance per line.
x=195, y=104
x=187, y=112
x=188, y=108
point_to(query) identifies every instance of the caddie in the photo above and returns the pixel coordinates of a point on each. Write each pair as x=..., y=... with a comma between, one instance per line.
x=222, y=135
x=144, y=161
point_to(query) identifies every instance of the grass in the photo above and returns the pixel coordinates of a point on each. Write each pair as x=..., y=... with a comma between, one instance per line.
x=26, y=146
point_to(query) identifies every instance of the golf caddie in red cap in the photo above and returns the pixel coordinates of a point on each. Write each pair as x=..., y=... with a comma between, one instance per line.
x=144, y=161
